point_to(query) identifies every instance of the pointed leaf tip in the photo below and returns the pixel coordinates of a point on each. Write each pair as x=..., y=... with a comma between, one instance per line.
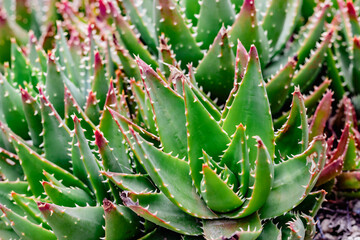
x=253, y=52
x=76, y=119
x=108, y=205
x=99, y=139
x=144, y=68
x=260, y=143
x=356, y=42
x=43, y=206
x=351, y=10
x=51, y=57
x=97, y=61
x=24, y=94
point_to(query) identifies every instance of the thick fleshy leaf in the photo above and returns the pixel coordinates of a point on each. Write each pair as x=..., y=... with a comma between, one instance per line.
x=192, y=9
x=305, y=42
x=9, y=29
x=167, y=55
x=356, y=62
x=312, y=203
x=68, y=197
x=20, y=67
x=33, y=117
x=74, y=223
x=91, y=164
x=297, y=228
x=158, y=209
x=25, y=228
x=201, y=127
x=280, y=21
x=129, y=65
x=124, y=126
x=111, y=132
x=100, y=84
x=307, y=74
x=73, y=108
x=261, y=180
x=205, y=100
x=137, y=183
x=334, y=75
x=29, y=206
x=10, y=168
x=247, y=29
x=311, y=32
x=355, y=27
x=342, y=54
x=216, y=71
x=236, y=158
x=142, y=22
x=71, y=67
x=92, y=109
x=12, y=109
x=34, y=165
x=244, y=228
x=170, y=22
x=144, y=105
x=345, y=22
x=78, y=167
x=5, y=141
x=251, y=108
x=109, y=161
x=350, y=158
x=6, y=188
x=293, y=137
x=120, y=222
x=176, y=185
x=37, y=58
x=54, y=86
x=56, y=134
x=169, y=120
x=213, y=15
x=294, y=179
x=212, y=186
x=130, y=40
x=321, y=116
x=310, y=101
x=241, y=61
x=7, y=232
x=278, y=87
x=342, y=143
x=270, y=231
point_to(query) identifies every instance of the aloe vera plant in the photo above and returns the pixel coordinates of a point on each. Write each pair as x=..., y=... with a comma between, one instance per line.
x=149, y=177
x=103, y=127
x=342, y=164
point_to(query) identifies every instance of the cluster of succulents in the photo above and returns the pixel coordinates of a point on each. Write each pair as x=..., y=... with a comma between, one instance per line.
x=172, y=119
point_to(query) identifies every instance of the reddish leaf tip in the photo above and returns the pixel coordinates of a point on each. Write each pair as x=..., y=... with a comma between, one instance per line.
x=253, y=52
x=356, y=42
x=51, y=57
x=99, y=139
x=44, y=183
x=44, y=206
x=351, y=10
x=76, y=119
x=97, y=60
x=108, y=205
x=144, y=68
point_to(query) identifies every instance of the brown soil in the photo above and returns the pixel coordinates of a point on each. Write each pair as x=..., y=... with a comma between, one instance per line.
x=339, y=220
